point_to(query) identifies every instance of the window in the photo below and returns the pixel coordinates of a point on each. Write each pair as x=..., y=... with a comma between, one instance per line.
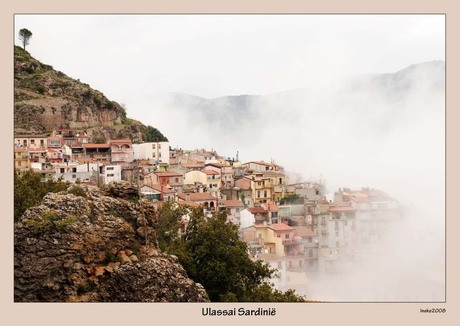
x=110, y=168
x=310, y=239
x=310, y=253
x=153, y=146
x=280, y=180
x=177, y=180
x=110, y=175
x=287, y=235
x=42, y=143
x=265, y=193
x=74, y=176
x=258, y=194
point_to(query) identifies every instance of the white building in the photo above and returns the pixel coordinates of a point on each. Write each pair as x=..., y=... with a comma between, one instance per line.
x=246, y=218
x=110, y=173
x=157, y=151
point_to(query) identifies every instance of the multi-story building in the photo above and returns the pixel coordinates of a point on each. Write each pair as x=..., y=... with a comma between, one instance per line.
x=31, y=141
x=165, y=178
x=98, y=152
x=261, y=166
x=226, y=174
x=156, y=151
x=121, y=151
x=208, y=178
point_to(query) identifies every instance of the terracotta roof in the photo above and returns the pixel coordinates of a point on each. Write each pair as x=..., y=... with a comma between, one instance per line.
x=85, y=160
x=210, y=172
x=163, y=189
x=233, y=203
x=255, y=210
x=92, y=145
x=280, y=227
x=303, y=231
x=197, y=196
x=270, y=207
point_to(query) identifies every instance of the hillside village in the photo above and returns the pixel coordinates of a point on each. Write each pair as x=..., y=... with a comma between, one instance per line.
x=291, y=225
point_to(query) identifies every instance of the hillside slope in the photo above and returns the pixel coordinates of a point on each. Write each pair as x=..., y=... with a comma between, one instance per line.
x=46, y=99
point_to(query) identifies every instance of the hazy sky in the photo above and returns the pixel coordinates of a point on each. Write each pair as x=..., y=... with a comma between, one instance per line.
x=130, y=58
x=126, y=56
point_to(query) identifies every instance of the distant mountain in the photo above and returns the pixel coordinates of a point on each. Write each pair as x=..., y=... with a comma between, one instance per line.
x=374, y=99
x=46, y=99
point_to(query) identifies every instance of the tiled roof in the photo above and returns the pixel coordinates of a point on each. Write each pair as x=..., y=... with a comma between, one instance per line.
x=304, y=231
x=163, y=189
x=197, y=196
x=255, y=210
x=270, y=207
x=280, y=227
x=92, y=145
x=233, y=203
x=210, y=172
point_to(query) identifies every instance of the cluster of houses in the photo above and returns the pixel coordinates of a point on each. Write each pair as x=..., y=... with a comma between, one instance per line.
x=310, y=236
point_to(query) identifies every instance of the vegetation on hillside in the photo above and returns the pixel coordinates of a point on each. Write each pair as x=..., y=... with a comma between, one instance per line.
x=29, y=190
x=213, y=255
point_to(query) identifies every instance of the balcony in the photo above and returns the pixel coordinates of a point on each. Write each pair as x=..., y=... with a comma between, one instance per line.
x=288, y=242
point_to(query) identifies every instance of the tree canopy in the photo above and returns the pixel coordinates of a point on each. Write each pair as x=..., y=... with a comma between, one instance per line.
x=213, y=255
x=24, y=36
x=29, y=190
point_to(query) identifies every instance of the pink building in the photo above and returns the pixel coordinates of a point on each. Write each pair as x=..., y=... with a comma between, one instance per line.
x=121, y=151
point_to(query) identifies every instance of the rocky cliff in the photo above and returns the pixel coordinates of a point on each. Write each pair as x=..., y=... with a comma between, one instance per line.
x=96, y=245
x=46, y=99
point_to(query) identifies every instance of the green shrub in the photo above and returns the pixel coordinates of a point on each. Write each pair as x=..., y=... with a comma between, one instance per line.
x=77, y=191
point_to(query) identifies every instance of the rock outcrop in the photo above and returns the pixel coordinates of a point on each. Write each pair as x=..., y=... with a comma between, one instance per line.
x=86, y=245
x=46, y=99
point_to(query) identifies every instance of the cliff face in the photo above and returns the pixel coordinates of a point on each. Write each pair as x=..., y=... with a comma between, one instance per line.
x=46, y=99
x=92, y=245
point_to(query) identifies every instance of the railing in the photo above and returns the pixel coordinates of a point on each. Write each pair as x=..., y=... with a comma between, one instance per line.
x=291, y=241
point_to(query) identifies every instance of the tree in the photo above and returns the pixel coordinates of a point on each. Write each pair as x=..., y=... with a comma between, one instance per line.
x=29, y=190
x=213, y=255
x=24, y=36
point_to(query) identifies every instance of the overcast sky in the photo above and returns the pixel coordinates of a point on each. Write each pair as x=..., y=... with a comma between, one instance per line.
x=130, y=58
x=126, y=56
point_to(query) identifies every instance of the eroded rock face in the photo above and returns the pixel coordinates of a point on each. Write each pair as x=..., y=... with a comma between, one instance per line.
x=87, y=248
